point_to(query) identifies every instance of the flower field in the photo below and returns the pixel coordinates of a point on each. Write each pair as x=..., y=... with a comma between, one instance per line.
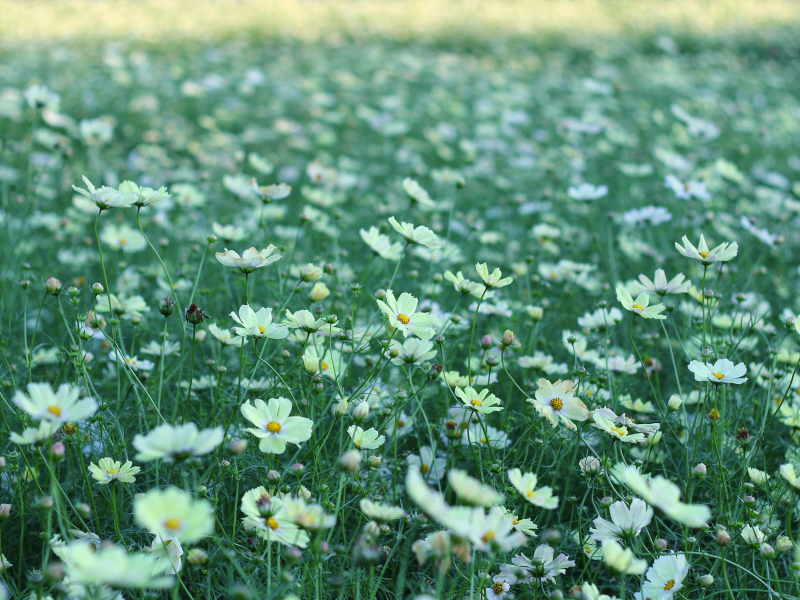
x=348, y=301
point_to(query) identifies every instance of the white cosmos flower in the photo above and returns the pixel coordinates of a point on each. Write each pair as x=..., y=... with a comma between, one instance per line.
x=494, y=530
x=381, y=513
x=788, y=473
x=413, y=351
x=61, y=406
x=258, y=324
x=417, y=193
x=172, y=512
x=145, y=196
x=226, y=337
x=403, y=316
x=661, y=286
x=616, y=430
x=108, y=470
x=133, y=362
x=556, y=401
x=381, y=245
x=640, y=305
x=722, y=253
x=665, y=578
x=494, y=279
x=753, y=536
x=274, y=426
x=106, y=197
x=305, y=320
x=722, y=371
x=268, y=517
x=543, y=565
x=662, y=494
x=310, y=517
x=250, y=260
x=626, y=522
x=110, y=565
x=688, y=190
x=428, y=463
x=525, y=484
x=176, y=443
x=471, y=491
x=587, y=192
x=483, y=403
x=123, y=237
x=621, y=559
x=416, y=235
x=365, y=439
x=33, y=435
x=467, y=287
x=169, y=554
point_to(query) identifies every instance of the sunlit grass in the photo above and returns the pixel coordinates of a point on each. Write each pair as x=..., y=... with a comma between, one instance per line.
x=400, y=19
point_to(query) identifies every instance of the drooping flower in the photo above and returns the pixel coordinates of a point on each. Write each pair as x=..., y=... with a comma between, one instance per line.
x=176, y=442
x=494, y=531
x=267, y=516
x=403, y=316
x=416, y=235
x=587, y=192
x=381, y=245
x=169, y=554
x=305, y=320
x=722, y=371
x=250, y=260
x=659, y=285
x=381, y=513
x=788, y=473
x=106, y=197
x=274, y=426
x=110, y=565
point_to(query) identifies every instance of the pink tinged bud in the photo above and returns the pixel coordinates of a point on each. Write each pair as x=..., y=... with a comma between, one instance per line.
x=661, y=544
x=53, y=286
x=767, y=551
x=486, y=342
x=361, y=412
x=723, y=537
x=58, y=450
x=5, y=511
x=297, y=469
x=273, y=476
x=700, y=470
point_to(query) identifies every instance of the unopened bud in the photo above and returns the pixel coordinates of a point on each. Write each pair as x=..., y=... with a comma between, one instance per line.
x=361, y=412
x=706, y=580
x=767, y=551
x=237, y=447
x=373, y=462
x=700, y=470
x=196, y=556
x=783, y=544
x=486, y=342
x=723, y=537
x=53, y=286
x=509, y=338
x=674, y=403
x=661, y=544
x=350, y=461
x=340, y=409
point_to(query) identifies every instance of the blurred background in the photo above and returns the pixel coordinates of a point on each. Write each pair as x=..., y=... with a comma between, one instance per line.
x=166, y=21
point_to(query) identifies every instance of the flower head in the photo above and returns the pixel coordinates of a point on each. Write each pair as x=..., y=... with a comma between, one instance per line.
x=525, y=484
x=171, y=512
x=722, y=371
x=722, y=253
x=665, y=578
x=274, y=426
x=494, y=279
x=483, y=403
x=61, y=406
x=258, y=324
x=403, y=316
x=640, y=305
x=250, y=260
x=365, y=440
x=108, y=470
x=176, y=442
x=416, y=235
x=556, y=401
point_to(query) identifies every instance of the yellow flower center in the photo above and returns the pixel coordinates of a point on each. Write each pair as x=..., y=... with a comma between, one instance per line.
x=424, y=468
x=273, y=524
x=324, y=366
x=476, y=402
x=123, y=241
x=718, y=375
x=619, y=430
x=273, y=427
x=704, y=254
x=403, y=319
x=557, y=403
x=400, y=422
x=516, y=521
x=54, y=410
x=669, y=585
x=531, y=493
x=488, y=537
x=112, y=471
x=497, y=587
x=261, y=328
x=172, y=524
x=638, y=307
x=587, y=550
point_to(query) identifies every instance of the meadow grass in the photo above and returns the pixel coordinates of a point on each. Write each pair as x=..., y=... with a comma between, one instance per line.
x=393, y=300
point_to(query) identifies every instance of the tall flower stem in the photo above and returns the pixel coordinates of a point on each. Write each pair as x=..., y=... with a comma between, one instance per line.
x=472, y=336
x=191, y=374
x=163, y=266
